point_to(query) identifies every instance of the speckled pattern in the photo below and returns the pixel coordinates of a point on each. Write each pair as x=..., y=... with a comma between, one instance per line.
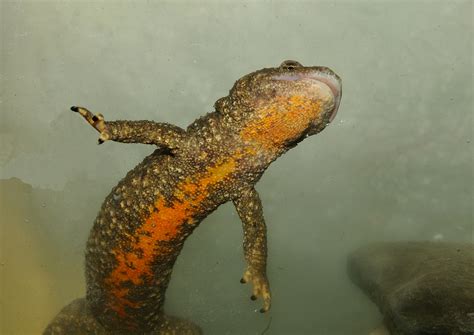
x=144, y=221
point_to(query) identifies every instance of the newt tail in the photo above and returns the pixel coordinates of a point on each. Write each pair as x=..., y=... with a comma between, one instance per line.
x=145, y=220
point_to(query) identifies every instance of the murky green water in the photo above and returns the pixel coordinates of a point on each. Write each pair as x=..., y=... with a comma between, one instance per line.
x=396, y=164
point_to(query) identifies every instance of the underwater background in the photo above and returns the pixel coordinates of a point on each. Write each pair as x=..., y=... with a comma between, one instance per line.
x=396, y=163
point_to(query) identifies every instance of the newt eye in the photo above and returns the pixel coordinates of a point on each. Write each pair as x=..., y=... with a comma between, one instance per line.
x=290, y=65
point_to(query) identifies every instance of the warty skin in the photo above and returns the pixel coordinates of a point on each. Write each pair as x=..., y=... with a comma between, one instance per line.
x=145, y=220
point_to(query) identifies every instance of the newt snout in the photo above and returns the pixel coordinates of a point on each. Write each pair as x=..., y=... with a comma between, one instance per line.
x=332, y=80
x=320, y=83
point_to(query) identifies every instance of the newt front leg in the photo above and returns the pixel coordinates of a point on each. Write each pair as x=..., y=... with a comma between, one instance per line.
x=249, y=208
x=145, y=132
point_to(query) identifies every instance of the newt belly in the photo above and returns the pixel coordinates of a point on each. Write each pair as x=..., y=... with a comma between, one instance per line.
x=142, y=225
x=164, y=222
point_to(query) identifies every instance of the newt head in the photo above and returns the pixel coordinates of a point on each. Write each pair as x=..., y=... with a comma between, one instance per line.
x=283, y=105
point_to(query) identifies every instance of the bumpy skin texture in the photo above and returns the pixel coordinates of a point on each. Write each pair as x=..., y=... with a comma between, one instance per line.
x=143, y=223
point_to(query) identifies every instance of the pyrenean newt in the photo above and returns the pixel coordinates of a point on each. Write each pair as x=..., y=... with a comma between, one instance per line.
x=145, y=220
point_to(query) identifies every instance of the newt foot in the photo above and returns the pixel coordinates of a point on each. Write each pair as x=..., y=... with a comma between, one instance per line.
x=96, y=121
x=260, y=287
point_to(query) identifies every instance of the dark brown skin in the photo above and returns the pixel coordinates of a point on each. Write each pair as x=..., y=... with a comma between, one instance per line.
x=143, y=223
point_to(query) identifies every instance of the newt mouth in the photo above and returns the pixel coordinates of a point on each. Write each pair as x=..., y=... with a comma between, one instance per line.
x=334, y=83
x=324, y=76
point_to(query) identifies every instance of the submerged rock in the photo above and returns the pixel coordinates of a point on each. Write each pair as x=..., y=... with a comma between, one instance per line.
x=421, y=288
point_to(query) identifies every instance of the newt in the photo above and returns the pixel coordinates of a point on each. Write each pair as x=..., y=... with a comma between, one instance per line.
x=145, y=220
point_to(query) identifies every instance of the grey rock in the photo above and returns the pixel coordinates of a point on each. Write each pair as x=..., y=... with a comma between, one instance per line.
x=421, y=288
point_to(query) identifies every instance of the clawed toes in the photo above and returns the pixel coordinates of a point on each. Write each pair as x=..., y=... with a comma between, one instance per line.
x=95, y=120
x=83, y=111
x=104, y=136
x=261, y=288
x=266, y=303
